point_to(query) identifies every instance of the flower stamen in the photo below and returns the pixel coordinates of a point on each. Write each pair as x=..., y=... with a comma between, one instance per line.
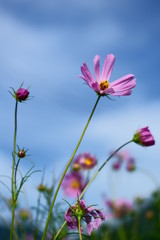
x=104, y=85
x=75, y=184
x=88, y=161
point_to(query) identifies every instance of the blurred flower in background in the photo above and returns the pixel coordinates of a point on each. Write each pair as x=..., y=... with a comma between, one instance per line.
x=84, y=161
x=124, y=157
x=119, y=208
x=73, y=184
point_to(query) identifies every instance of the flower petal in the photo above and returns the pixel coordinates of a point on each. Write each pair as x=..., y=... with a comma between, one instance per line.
x=97, y=67
x=97, y=223
x=122, y=80
x=107, y=91
x=122, y=93
x=108, y=66
x=87, y=74
x=123, y=85
x=90, y=228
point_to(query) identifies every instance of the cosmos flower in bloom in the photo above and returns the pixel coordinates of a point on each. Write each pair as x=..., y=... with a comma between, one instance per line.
x=84, y=161
x=73, y=184
x=119, y=208
x=100, y=83
x=144, y=137
x=92, y=216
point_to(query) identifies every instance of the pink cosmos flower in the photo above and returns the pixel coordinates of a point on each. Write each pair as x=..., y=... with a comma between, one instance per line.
x=120, y=207
x=144, y=137
x=84, y=161
x=123, y=155
x=73, y=184
x=21, y=94
x=131, y=165
x=92, y=216
x=100, y=83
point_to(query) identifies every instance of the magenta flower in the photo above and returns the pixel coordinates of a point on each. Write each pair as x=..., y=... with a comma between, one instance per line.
x=84, y=161
x=144, y=137
x=21, y=94
x=92, y=216
x=73, y=184
x=116, y=165
x=100, y=83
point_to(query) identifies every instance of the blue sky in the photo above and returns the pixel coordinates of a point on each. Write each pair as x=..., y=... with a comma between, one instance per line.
x=43, y=44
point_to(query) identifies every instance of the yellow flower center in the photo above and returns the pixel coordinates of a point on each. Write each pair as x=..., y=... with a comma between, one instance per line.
x=104, y=85
x=75, y=184
x=88, y=161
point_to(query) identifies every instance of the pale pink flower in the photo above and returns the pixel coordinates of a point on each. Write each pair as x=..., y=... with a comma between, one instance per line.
x=100, y=83
x=73, y=184
x=119, y=208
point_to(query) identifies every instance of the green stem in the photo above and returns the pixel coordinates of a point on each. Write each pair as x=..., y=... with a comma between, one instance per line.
x=79, y=229
x=38, y=209
x=15, y=177
x=12, y=184
x=68, y=164
x=94, y=176
x=121, y=232
x=60, y=230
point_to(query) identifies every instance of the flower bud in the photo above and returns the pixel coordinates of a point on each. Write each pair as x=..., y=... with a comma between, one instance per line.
x=116, y=165
x=24, y=214
x=41, y=188
x=76, y=167
x=130, y=165
x=21, y=153
x=21, y=94
x=144, y=137
x=149, y=214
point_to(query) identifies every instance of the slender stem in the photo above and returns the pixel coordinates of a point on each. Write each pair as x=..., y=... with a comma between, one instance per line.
x=12, y=184
x=60, y=230
x=94, y=176
x=68, y=164
x=79, y=229
x=38, y=209
x=121, y=232
x=15, y=176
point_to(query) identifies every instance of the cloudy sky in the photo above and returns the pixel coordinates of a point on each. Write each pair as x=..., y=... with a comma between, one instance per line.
x=43, y=44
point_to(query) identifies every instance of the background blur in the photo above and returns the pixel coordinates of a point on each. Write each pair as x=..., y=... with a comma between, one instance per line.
x=43, y=44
